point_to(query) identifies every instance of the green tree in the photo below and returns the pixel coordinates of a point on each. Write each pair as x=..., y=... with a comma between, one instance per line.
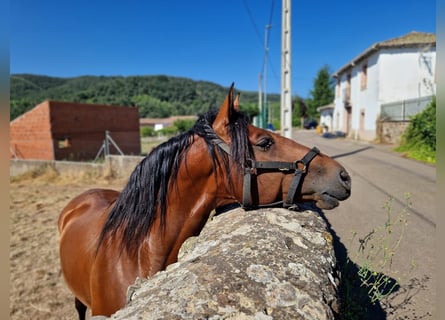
x=147, y=131
x=322, y=93
x=184, y=124
x=19, y=106
x=251, y=109
x=299, y=110
x=152, y=107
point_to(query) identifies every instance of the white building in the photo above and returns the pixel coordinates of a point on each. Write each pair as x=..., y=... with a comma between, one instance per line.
x=391, y=71
x=326, y=116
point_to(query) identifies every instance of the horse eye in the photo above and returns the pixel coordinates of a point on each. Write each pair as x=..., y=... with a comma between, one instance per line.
x=265, y=144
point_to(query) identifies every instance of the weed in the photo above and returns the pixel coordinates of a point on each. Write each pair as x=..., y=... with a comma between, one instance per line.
x=364, y=284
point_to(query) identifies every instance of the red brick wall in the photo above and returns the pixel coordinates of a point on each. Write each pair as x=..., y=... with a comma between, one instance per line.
x=30, y=134
x=83, y=126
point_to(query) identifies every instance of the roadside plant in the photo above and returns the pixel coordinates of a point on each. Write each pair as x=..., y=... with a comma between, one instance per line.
x=419, y=140
x=366, y=281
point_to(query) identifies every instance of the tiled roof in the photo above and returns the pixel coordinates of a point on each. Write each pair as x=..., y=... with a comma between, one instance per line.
x=413, y=39
x=164, y=121
x=326, y=107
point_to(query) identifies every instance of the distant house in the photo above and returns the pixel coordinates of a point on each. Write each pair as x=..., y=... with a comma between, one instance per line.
x=55, y=130
x=161, y=123
x=326, y=116
x=393, y=79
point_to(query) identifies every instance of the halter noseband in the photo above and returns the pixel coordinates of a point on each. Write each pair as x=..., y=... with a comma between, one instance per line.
x=299, y=167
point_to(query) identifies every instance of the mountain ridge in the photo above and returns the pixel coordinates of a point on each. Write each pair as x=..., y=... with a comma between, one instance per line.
x=157, y=96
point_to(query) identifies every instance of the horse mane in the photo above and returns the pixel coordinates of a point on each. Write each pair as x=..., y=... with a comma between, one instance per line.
x=146, y=190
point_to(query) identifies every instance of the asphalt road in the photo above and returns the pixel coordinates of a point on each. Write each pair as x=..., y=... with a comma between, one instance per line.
x=378, y=175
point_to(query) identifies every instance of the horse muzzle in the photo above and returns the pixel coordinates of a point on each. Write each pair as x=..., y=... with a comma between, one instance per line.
x=330, y=198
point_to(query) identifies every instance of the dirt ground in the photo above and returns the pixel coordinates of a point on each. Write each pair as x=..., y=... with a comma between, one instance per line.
x=37, y=287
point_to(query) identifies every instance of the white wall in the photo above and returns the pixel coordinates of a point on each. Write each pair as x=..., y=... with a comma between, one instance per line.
x=404, y=74
x=326, y=118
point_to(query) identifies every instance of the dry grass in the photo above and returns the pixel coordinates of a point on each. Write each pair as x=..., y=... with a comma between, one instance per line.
x=47, y=174
x=37, y=288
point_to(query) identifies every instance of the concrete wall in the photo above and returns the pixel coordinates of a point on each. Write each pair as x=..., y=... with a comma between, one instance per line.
x=120, y=166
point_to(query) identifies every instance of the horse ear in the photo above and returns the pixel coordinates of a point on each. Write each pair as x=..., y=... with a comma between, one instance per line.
x=222, y=119
x=236, y=102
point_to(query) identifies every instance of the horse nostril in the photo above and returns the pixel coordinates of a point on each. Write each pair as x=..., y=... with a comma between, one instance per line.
x=345, y=179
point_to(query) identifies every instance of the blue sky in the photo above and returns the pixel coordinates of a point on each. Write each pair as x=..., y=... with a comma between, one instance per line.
x=213, y=40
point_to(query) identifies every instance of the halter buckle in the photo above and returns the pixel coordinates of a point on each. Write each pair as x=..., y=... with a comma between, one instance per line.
x=303, y=170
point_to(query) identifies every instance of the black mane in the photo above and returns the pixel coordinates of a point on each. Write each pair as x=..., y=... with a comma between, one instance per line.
x=135, y=209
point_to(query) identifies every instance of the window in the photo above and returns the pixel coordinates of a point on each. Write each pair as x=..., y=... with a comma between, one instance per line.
x=64, y=142
x=364, y=77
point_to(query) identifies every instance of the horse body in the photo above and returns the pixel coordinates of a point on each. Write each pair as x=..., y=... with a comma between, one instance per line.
x=110, y=238
x=98, y=273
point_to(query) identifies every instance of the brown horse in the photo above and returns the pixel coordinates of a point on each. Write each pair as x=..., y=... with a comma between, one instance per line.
x=110, y=238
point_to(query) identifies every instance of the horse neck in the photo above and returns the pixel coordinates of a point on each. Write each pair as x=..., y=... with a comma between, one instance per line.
x=190, y=200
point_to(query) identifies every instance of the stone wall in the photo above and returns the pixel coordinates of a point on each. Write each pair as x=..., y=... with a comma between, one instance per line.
x=264, y=264
x=391, y=131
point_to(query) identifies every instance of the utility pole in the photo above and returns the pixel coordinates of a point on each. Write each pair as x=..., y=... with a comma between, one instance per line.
x=266, y=53
x=286, y=92
x=260, y=103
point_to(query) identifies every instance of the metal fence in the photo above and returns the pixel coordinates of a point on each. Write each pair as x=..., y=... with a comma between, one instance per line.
x=405, y=109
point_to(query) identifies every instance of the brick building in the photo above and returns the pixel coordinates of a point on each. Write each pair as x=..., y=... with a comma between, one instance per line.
x=55, y=130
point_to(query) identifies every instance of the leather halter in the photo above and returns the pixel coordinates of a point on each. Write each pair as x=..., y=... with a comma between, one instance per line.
x=299, y=168
x=252, y=168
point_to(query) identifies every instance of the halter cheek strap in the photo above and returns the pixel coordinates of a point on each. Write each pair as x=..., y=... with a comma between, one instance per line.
x=299, y=173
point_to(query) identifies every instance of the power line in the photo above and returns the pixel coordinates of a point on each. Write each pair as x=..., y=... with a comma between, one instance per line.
x=252, y=20
x=258, y=33
x=269, y=24
x=266, y=62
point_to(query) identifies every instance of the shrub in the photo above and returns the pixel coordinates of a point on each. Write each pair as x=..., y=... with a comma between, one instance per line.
x=183, y=125
x=147, y=132
x=419, y=140
x=169, y=131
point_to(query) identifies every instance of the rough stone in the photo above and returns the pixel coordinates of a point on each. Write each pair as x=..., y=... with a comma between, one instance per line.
x=263, y=264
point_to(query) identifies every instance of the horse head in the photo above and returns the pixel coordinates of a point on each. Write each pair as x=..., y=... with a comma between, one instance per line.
x=279, y=169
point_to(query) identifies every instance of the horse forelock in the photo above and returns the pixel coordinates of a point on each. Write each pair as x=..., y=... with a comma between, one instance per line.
x=239, y=134
x=240, y=147
x=146, y=191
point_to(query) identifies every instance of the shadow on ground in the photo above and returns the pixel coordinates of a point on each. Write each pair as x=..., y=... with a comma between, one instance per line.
x=355, y=299
x=399, y=305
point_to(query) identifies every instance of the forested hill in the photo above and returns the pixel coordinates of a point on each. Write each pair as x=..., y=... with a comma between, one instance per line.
x=156, y=96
